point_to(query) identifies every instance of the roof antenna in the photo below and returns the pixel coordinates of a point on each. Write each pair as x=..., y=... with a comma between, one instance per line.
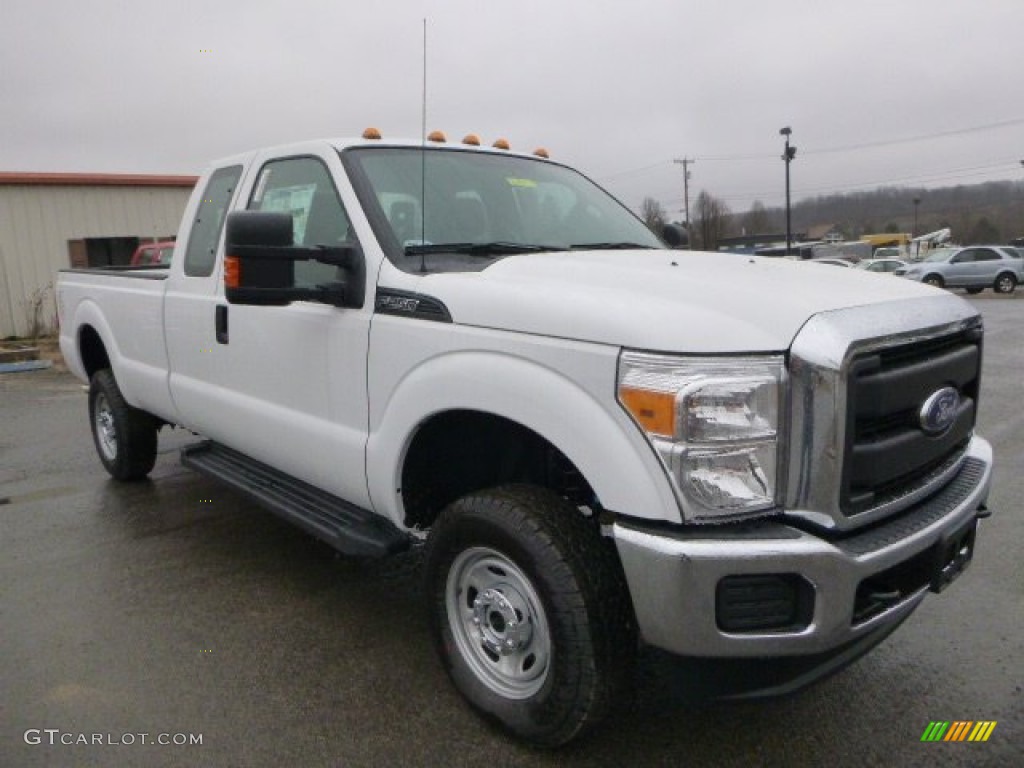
x=423, y=160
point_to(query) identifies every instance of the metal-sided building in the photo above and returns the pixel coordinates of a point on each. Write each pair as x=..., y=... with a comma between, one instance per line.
x=49, y=221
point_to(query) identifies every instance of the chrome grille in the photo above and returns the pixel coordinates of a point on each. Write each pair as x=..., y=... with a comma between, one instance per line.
x=858, y=452
x=887, y=453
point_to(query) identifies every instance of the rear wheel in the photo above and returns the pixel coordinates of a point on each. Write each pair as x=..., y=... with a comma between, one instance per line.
x=125, y=437
x=530, y=612
x=935, y=280
x=1005, y=283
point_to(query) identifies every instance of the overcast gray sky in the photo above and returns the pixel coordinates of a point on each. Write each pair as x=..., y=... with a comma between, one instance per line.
x=900, y=92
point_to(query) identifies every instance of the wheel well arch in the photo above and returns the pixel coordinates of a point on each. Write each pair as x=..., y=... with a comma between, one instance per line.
x=457, y=452
x=92, y=350
x=1007, y=273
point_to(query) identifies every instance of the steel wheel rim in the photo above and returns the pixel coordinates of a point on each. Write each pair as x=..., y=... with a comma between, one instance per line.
x=106, y=435
x=498, y=623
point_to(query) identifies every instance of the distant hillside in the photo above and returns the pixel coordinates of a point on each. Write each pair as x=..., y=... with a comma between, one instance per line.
x=989, y=212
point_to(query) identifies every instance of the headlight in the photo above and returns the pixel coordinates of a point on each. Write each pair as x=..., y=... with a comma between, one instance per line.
x=714, y=422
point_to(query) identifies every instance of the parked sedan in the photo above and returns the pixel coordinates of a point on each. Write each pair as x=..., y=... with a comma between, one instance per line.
x=833, y=262
x=887, y=266
x=974, y=268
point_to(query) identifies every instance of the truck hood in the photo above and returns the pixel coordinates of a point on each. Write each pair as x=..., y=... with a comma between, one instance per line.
x=672, y=301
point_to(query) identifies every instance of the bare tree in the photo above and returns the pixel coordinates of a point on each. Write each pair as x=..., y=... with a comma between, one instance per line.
x=757, y=220
x=711, y=220
x=653, y=214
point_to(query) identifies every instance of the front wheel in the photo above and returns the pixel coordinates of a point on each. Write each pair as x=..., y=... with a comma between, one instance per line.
x=935, y=280
x=529, y=611
x=1005, y=283
x=125, y=437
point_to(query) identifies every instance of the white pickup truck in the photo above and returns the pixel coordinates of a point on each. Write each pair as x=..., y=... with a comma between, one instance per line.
x=602, y=442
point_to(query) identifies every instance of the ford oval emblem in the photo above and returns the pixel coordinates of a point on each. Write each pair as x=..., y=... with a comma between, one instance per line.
x=939, y=411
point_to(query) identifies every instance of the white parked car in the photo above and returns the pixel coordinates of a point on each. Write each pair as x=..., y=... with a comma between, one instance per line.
x=974, y=268
x=887, y=266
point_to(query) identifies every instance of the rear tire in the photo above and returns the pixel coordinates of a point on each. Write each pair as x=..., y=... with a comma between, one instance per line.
x=125, y=437
x=935, y=280
x=530, y=612
x=1005, y=283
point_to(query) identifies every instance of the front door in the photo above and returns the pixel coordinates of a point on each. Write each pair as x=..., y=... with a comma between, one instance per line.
x=289, y=383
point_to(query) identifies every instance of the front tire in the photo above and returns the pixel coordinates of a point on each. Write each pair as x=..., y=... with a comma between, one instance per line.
x=1005, y=283
x=125, y=437
x=530, y=612
x=935, y=280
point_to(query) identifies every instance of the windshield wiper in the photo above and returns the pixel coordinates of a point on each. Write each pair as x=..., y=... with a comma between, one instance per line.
x=476, y=249
x=609, y=247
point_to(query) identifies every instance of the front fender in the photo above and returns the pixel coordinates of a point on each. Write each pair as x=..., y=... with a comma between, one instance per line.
x=593, y=433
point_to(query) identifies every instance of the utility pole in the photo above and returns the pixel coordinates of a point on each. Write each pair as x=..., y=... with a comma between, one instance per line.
x=787, y=156
x=685, y=162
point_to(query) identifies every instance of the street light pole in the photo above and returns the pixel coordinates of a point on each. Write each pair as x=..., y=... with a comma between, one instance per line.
x=788, y=156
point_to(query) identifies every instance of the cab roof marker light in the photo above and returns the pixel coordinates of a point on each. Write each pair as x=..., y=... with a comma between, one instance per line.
x=472, y=140
x=437, y=137
x=372, y=134
x=501, y=144
x=541, y=152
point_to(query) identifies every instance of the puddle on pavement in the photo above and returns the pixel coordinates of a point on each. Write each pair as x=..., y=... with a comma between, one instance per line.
x=45, y=493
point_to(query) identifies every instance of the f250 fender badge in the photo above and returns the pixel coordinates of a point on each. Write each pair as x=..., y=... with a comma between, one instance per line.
x=939, y=411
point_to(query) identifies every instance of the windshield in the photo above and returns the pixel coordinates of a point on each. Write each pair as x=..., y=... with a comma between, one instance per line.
x=476, y=207
x=942, y=254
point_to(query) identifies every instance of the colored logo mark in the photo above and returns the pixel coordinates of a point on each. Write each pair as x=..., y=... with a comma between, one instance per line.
x=959, y=730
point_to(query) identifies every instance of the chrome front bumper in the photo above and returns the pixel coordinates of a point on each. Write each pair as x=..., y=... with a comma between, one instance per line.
x=673, y=575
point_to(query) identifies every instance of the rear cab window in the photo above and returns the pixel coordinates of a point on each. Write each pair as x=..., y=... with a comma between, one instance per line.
x=201, y=252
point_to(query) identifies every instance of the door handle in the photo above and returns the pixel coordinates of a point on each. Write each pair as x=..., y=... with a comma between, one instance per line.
x=222, y=324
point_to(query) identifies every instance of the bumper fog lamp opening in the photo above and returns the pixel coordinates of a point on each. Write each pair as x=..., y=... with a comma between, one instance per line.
x=769, y=602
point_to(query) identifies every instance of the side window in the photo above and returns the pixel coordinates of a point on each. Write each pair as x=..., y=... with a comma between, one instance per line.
x=206, y=227
x=302, y=186
x=985, y=254
x=964, y=257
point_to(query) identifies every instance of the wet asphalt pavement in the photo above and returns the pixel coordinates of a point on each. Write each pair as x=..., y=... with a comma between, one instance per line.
x=172, y=608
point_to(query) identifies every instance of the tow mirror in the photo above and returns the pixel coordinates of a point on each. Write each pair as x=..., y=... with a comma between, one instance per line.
x=259, y=264
x=675, y=235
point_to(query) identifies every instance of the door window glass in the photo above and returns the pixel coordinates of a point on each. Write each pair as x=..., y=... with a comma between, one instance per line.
x=302, y=186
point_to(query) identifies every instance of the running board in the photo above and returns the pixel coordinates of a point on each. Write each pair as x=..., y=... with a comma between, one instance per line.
x=349, y=529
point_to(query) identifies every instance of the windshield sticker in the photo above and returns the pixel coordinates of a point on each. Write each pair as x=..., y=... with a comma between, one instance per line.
x=295, y=200
x=525, y=183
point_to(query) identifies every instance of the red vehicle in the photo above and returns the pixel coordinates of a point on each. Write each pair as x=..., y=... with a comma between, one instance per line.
x=153, y=254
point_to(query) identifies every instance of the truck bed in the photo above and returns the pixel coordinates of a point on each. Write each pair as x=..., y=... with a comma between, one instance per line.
x=124, y=307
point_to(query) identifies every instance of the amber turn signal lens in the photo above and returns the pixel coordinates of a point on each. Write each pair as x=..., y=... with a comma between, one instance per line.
x=654, y=411
x=232, y=272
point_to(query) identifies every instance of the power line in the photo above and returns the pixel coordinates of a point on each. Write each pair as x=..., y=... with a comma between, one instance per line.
x=828, y=150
